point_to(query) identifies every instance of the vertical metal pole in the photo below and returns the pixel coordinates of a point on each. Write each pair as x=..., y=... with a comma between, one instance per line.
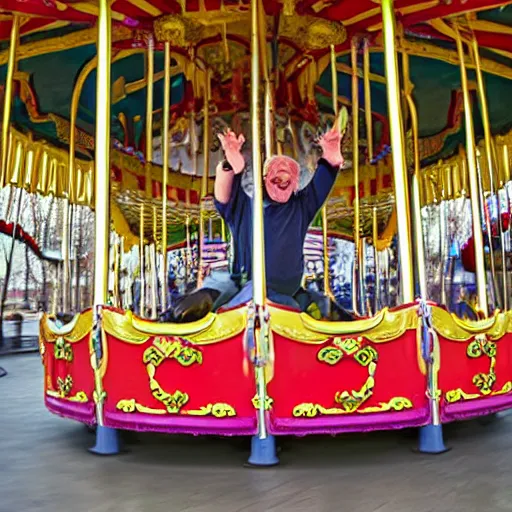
x=206, y=173
x=419, y=247
x=473, y=182
x=102, y=157
x=492, y=168
x=397, y=144
x=258, y=229
x=11, y=66
x=356, y=282
x=368, y=100
x=165, y=166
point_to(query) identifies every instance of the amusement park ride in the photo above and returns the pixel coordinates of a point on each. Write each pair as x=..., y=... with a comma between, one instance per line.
x=116, y=106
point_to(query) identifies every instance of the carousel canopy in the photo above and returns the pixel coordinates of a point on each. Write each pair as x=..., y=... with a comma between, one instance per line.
x=58, y=40
x=58, y=46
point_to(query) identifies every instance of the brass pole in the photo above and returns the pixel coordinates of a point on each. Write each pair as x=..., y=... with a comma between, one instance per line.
x=66, y=231
x=258, y=228
x=165, y=166
x=101, y=195
x=153, y=270
x=355, y=166
x=415, y=182
x=492, y=168
x=368, y=100
x=334, y=78
x=259, y=275
x=102, y=156
x=325, y=227
x=9, y=79
x=473, y=182
x=142, y=263
x=150, y=72
x=375, y=230
x=205, y=176
x=397, y=144
x=269, y=101
x=117, y=264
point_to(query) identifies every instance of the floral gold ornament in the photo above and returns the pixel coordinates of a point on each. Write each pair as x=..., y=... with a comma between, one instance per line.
x=311, y=33
x=269, y=402
x=172, y=349
x=183, y=31
x=63, y=350
x=80, y=397
x=218, y=410
x=365, y=355
x=310, y=410
x=456, y=395
x=65, y=385
x=481, y=346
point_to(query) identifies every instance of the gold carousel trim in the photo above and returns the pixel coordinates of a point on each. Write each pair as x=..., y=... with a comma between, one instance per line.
x=213, y=328
x=454, y=329
x=75, y=331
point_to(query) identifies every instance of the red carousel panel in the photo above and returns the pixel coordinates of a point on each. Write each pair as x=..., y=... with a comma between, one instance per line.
x=69, y=379
x=475, y=376
x=167, y=384
x=347, y=384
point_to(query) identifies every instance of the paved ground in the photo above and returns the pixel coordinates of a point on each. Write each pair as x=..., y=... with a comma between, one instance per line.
x=44, y=466
x=29, y=336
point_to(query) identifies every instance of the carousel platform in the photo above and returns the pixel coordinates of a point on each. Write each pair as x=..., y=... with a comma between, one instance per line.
x=45, y=467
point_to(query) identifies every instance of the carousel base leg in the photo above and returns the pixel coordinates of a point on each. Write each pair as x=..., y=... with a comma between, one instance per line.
x=263, y=452
x=107, y=441
x=431, y=440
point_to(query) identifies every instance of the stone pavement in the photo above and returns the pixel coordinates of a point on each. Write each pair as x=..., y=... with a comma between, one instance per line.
x=45, y=467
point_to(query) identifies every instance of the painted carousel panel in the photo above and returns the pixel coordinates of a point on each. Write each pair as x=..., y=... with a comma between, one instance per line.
x=162, y=379
x=68, y=374
x=349, y=382
x=475, y=376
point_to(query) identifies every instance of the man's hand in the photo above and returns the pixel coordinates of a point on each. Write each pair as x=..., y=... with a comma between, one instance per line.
x=330, y=142
x=232, y=146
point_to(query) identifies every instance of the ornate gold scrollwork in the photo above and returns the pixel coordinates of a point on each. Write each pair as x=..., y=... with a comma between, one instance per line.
x=175, y=349
x=218, y=410
x=65, y=385
x=63, y=350
x=173, y=401
x=182, y=31
x=310, y=410
x=80, y=397
x=269, y=402
x=186, y=355
x=64, y=390
x=455, y=395
x=366, y=356
x=312, y=33
x=480, y=347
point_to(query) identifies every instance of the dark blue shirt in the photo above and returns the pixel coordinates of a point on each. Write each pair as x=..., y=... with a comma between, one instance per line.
x=286, y=226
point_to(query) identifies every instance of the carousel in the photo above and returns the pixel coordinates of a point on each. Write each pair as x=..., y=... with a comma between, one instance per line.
x=114, y=108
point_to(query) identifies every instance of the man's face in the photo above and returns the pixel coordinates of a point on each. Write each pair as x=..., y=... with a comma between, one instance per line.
x=281, y=181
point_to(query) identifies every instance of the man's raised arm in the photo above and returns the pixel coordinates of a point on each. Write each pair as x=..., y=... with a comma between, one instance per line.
x=226, y=170
x=319, y=188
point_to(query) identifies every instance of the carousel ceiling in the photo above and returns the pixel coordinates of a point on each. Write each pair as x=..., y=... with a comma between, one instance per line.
x=58, y=40
x=57, y=47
